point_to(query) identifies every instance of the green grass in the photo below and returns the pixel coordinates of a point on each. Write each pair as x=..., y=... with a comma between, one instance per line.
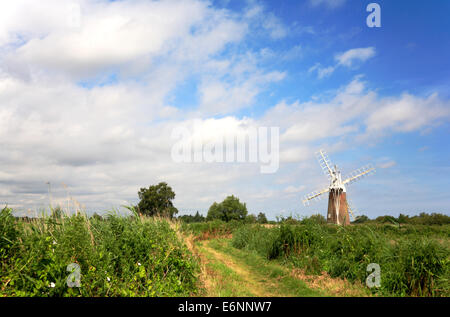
x=414, y=261
x=274, y=277
x=139, y=256
x=211, y=229
x=118, y=256
x=227, y=282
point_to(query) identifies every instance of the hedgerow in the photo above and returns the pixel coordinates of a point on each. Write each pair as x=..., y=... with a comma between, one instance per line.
x=117, y=256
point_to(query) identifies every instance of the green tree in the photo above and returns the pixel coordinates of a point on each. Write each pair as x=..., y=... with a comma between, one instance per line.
x=214, y=212
x=361, y=219
x=261, y=218
x=198, y=217
x=157, y=200
x=318, y=218
x=190, y=219
x=250, y=219
x=229, y=209
x=403, y=218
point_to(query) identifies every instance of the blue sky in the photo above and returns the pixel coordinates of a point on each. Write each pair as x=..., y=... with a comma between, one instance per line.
x=92, y=94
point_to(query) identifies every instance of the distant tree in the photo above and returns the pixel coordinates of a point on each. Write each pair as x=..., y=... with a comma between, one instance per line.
x=186, y=218
x=214, y=212
x=96, y=216
x=198, y=217
x=430, y=219
x=261, y=218
x=288, y=220
x=229, y=209
x=403, y=218
x=190, y=219
x=250, y=219
x=157, y=200
x=361, y=219
x=386, y=219
x=421, y=219
x=317, y=219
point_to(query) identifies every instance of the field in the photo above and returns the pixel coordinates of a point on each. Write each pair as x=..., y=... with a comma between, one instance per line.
x=143, y=256
x=414, y=259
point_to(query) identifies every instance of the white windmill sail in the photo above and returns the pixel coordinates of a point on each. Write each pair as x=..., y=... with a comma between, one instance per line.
x=352, y=210
x=359, y=173
x=314, y=196
x=324, y=163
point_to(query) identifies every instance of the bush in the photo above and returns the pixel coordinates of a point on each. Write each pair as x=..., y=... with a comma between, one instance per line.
x=318, y=219
x=211, y=229
x=9, y=231
x=229, y=209
x=117, y=256
x=256, y=238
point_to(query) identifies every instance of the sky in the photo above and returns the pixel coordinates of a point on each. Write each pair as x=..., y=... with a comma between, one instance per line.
x=92, y=91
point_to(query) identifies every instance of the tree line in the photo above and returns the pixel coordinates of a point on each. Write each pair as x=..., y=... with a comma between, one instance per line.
x=156, y=200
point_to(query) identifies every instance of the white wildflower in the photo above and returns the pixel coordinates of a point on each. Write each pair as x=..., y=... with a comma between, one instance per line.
x=139, y=264
x=52, y=285
x=108, y=279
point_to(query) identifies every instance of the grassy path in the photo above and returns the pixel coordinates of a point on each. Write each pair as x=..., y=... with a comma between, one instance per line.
x=231, y=272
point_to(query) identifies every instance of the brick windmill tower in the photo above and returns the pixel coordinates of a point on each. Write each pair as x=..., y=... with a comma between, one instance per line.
x=338, y=207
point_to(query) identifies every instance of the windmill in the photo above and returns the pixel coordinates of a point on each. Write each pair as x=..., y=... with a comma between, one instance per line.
x=338, y=207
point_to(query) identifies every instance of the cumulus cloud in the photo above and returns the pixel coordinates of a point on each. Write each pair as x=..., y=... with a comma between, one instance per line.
x=357, y=54
x=88, y=104
x=220, y=96
x=276, y=28
x=266, y=20
x=322, y=72
x=355, y=112
x=114, y=36
x=346, y=59
x=408, y=113
x=92, y=106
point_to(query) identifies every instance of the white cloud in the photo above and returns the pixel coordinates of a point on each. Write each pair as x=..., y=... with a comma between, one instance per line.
x=227, y=89
x=322, y=72
x=387, y=164
x=407, y=113
x=262, y=18
x=106, y=141
x=276, y=28
x=294, y=189
x=362, y=54
x=332, y=4
x=101, y=147
x=346, y=59
x=353, y=113
x=115, y=36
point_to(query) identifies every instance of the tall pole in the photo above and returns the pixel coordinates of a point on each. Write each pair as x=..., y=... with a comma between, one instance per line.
x=49, y=195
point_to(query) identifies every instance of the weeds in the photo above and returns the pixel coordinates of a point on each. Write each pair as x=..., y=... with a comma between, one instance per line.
x=118, y=256
x=211, y=229
x=412, y=263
